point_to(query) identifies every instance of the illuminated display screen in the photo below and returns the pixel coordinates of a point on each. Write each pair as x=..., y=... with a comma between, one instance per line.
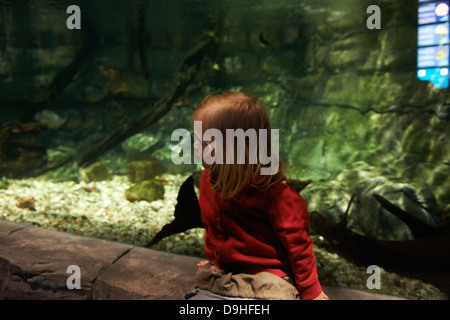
x=434, y=12
x=431, y=35
x=438, y=76
x=433, y=42
x=428, y=57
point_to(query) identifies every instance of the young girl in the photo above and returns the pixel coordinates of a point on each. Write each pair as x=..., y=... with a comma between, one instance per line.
x=256, y=226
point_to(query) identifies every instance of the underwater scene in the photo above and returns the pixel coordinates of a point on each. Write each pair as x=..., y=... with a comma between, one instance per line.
x=92, y=91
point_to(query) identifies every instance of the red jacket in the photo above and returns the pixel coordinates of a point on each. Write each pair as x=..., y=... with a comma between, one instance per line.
x=260, y=231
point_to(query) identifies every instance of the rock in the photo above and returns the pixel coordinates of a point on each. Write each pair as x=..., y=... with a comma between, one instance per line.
x=38, y=266
x=397, y=40
x=68, y=172
x=49, y=118
x=343, y=55
x=149, y=190
x=142, y=170
x=3, y=185
x=366, y=215
x=415, y=198
x=443, y=112
x=307, y=155
x=364, y=92
x=139, y=143
x=328, y=198
x=26, y=203
x=34, y=263
x=325, y=140
x=427, y=138
x=95, y=172
x=153, y=277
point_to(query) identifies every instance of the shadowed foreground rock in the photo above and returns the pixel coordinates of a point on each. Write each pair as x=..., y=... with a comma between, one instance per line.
x=34, y=262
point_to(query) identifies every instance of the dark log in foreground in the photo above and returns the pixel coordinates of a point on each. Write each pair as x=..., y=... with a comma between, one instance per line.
x=419, y=228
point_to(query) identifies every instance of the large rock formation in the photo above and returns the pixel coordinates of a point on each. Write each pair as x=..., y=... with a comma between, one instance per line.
x=34, y=264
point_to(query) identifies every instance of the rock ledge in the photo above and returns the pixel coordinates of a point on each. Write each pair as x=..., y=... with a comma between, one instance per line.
x=34, y=265
x=34, y=262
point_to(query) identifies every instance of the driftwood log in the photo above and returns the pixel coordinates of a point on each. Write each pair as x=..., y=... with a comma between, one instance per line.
x=188, y=70
x=426, y=257
x=86, y=155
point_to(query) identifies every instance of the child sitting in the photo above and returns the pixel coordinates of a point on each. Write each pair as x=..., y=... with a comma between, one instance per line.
x=256, y=226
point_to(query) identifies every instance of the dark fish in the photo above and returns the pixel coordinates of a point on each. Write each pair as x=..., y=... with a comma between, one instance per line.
x=187, y=213
x=263, y=41
x=418, y=227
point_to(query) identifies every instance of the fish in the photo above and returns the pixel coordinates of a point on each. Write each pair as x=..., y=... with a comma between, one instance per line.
x=263, y=41
x=187, y=213
x=419, y=228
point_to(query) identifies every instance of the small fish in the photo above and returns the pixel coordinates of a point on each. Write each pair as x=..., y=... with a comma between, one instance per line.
x=121, y=86
x=111, y=73
x=263, y=41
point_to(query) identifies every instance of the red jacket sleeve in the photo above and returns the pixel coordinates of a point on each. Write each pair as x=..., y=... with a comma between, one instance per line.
x=288, y=215
x=205, y=196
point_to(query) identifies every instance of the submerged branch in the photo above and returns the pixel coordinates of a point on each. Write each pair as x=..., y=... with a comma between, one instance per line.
x=188, y=70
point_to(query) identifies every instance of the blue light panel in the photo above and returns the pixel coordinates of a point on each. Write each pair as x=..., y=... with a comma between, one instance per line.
x=429, y=57
x=432, y=35
x=433, y=39
x=438, y=76
x=434, y=12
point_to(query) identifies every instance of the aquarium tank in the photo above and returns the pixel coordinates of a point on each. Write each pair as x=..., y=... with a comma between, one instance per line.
x=91, y=92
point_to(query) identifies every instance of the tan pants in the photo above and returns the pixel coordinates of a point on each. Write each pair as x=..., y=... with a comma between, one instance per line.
x=263, y=285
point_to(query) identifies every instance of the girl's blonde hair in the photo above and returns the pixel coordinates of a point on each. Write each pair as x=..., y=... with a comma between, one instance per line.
x=237, y=110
